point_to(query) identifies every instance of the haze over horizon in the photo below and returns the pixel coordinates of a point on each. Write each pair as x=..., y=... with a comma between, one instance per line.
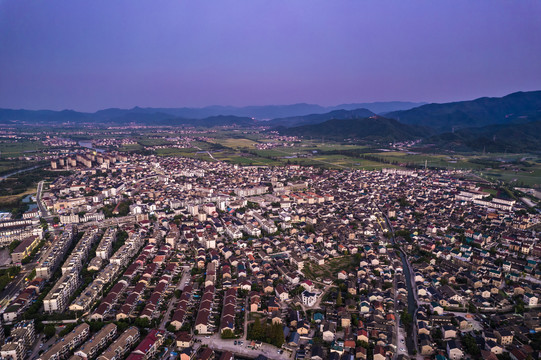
x=90, y=56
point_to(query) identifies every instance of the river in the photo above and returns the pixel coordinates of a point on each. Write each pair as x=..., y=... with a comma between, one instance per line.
x=18, y=172
x=28, y=199
x=88, y=144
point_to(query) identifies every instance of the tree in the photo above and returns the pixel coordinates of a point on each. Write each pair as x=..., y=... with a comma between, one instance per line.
x=43, y=223
x=504, y=356
x=49, y=331
x=470, y=345
x=178, y=293
x=32, y=274
x=519, y=306
x=403, y=202
x=95, y=326
x=339, y=298
x=406, y=318
x=142, y=322
x=13, y=245
x=228, y=334
x=67, y=329
x=309, y=228
x=258, y=331
x=277, y=335
x=122, y=326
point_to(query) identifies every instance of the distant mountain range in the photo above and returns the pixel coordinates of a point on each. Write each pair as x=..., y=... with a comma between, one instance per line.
x=515, y=108
x=116, y=117
x=508, y=123
x=267, y=112
x=153, y=115
x=373, y=128
x=524, y=137
x=319, y=118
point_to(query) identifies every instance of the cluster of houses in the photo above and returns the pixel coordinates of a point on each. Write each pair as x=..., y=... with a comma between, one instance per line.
x=313, y=250
x=21, y=230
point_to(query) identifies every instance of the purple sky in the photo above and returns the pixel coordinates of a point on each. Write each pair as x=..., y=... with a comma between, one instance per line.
x=89, y=55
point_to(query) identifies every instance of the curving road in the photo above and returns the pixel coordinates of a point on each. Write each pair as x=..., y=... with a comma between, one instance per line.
x=412, y=287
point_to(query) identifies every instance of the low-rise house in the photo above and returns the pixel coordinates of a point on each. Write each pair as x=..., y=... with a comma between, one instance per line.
x=505, y=337
x=454, y=352
x=148, y=348
x=184, y=340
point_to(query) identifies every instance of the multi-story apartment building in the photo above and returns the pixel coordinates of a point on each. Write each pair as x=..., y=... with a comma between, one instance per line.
x=121, y=346
x=79, y=255
x=92, y=347
x=128, y=250
x=63, y=347
x=106, y=244
x=22, y=338
x=53, y=256
x=56, y=300
x=94, y=289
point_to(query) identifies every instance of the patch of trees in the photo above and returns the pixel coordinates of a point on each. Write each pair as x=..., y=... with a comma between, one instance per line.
x=19, y=183
x=49, y=331
x=348, y=152
x=403, y=233
x=13, y=245
x=228, y=334
x=470, y=345
x=6, y=275
x=406, y=318
x=269, y=333
x=67, y=329
x=122, y=209
x=121, y=237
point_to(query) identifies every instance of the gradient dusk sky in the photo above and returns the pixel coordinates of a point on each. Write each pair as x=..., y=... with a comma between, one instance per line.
x=90, y=55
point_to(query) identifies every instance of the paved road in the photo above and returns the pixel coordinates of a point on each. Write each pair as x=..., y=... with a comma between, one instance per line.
x=412, y=284
x=246, y=312
x=398, y=339
x=42, y=209
x=212, y=157
x=180, y=286
x=12, y=289
x=46, y=345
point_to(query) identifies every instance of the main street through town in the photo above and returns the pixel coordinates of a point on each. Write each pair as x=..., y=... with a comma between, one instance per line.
x=413, y=301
